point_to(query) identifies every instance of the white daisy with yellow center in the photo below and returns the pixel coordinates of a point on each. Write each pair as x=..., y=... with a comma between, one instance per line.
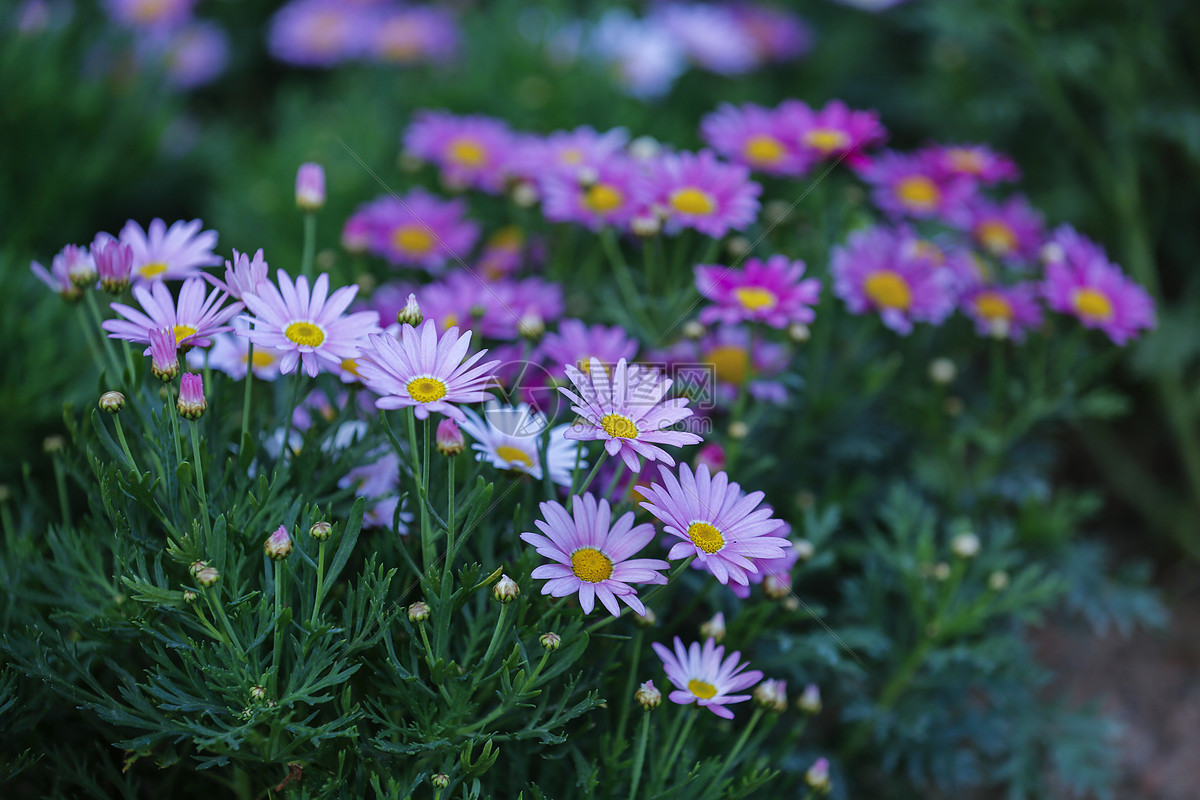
x=514, y=438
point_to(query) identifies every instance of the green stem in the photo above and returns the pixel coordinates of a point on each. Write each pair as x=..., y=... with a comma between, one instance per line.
x=612, y=484
x=60, y=478
x=278, y=644
x=109, y=357
x=625, y=284
x=737, y=748
x=89, y=336
x=447, y=567
x=171, y=411
x=199, y=471
x=310, y=244
x=627, y=697
x=689, y=717
x=501, y=624
x=418, y=473
x=590, y=477
x=246, y=394
x=121, y=439
x=286, y=447
x=320, y=585
x=215, y=603
x=639, y=755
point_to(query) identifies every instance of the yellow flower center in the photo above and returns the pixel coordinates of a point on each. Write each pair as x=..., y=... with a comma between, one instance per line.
x=182, y=332
x=602, y=197
x=514, y=455
x=619, y=426
x=918, y=192
x=148, y=11
x=692, y=201
x=261, y=359
x=993, y=305
x=756, y=297
x=702, y=689
x=351, y=366
x=763, y=149
x=996, y=236
x=706, y=537
x=590, y=565
x=888, y=290
x=1092, y=303
x=412, y=239
x=570, y=156
x=968, y=161
x=730, y=362
x=153, y=269
x=402, y=40
x=467, y=152
x=305, y=334
x=826, y=140
x=426, y=389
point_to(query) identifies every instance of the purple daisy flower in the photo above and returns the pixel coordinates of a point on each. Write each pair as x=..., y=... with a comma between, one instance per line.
x=625, y=409
x=756, y=137
x=242, y=275
x=778, y=35
x=162, y=253
x=470, y=151
x=906, y=184
x=873, y=272
x=424, y=371
x=414, y=34
x=835, y=131
x=495, y=309
x=775, y=574
x=572, y=155
x=1086, y=285
x=157, y=14
x=608, y=199
x=193, y=319
x=974, y=161
x=705, y=676
x=419, y=229
x=709, y=35
x=1010, y=231
x=770, y=292
x=318, y=33
x=736, y=359
x=695, y=190
x=193, y=55
x=577, y=343
x=309, y=327
x=379, y=482
x=1004, y=312
x=502, y=254
x=718, y=523
x=67, y=270
x=593, y=555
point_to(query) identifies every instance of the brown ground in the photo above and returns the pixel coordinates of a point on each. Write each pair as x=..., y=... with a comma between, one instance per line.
x=1149, y=683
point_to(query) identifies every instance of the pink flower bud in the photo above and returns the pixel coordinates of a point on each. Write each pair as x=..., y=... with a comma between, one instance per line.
x=449, y=438
x=310, y=187
x=244, y=274
x=114, y=261
x=713, y=455
x=279, y=544
x=191, y=404
x=817, y=776
x=164, y=354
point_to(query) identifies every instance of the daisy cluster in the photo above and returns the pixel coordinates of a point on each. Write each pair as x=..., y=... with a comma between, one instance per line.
x=325, y=33
x=167, y=35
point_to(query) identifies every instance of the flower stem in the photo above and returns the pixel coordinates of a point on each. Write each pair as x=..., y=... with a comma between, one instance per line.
x=246, y=395
x=639, y=755
x=277, y=567
x=121, y=439
x=501, y=624
x=419, y=470
x=199, y=470
x=219, y=610
x=590, y=477
x=448, y=566
x=737, y=748
x=60, y=478
x=310, y=244
x=320, y=584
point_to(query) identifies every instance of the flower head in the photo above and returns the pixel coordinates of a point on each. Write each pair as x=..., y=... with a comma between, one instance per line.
x=377, y=480
x=469, y=150
x=58, y=277
x=509, y=438
x=231, y=354
x=278, y=545
x=164, y=354
x=418, y=229
x=834, y=131
x=593, y=555
x=242, y=275
x=1010, y=231
x=310, y=187
x=756, y=137
x=424, y=371
x=648, y=696
x=608, y=198
x=309, y=327
x=578, y=343
x=318, y=33
x=770, y=292
x=413, y=34
x=191, y=403
x=695, y=190
x=704, y=675
x=114, y=261
x=1004, y=312
x=162, y=253
x=907, y=185
x=193, y=318
x=450, y=440
x=972, y=161
x=625, y=409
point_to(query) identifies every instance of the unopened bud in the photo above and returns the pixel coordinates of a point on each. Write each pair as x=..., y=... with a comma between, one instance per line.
x=817, y=776
x=777, y=587
x=440, y=780
x=550, y=641
x=53, y=444
x=998, y=581
x=189, y=596
x=803, y=549
x=809, y=700
x=738, y=430
x=965, y=545
x=450, y=440
x=257, y=693
x=644, y=148
x=418, y=611
x=693, y=329
x=531, y=325
x=81, y=267
x=941, y=571
x=310, y=187
x=321, y=530
x=506, y=589
x=191, y=403
x=196, y=566
x=278, y=545
x=114, y=261
x=208, y=577
x=648, y=696
x=771, y=694
x=647, y=620
x=164, y=354
x=799, y=333
x=942, y=371
x=112, y=402
x=714, y=628
x=411, y=313
x=737, y=246
x=524, y=195
x=645, y=225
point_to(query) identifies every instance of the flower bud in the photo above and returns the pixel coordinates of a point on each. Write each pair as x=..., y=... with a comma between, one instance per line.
x=942, y=371
x=418, y=611
x=941, y=571
x=803, y=549
x=531, y=325
x=196, y=566
x=191, y=403
x=645, y=148
x=356, y=235
x=648, y=697
x=112, y=402
x=208, y=577
x=278, y=545
x=965, y=545
x=737, y=246
x=440, y=780
x=257, y=693
x=777, y=586
x=525, y=195
x=714, y=628
x=411, y=313
x=693, y=329
x=164, y=354
x=998, y=581
x=114, y=260
x=189, y=596
x=712, y=455
x=647, y=620
x=771, y=694
x=799, y=333
x=310, y=187
x=550, y=641
x=506, y=589
x=81, y=267
x=450, y=440
x=810, y=700
x=738, y=429
x=53, y=444
x=320, y=530
x=817, y=776
x=645, y=225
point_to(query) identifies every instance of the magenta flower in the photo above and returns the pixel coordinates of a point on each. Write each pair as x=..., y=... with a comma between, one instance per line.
x=756, y=137
x=114, y=262
x=193, y=319
x=310, y=187
x=736, y=359
x=150, y=14
x=164, y=354
x=243, y=275
x=906, y=184
x=573, y=156
x=770, y=292
x=873, y=272
x=625, y=409
x=695, y=190
x=1010, y=231
x=318, y=33
x=835, y=131
x=60, y=277
x=492, y=308
x=470, y=151
x=705, y=676
x=418, y=229
x=778, y=35
x=1004, y=312
x=973, y=161
x=162, y=253
x=309, y=327
x=718, y=523
x=593, y=555
x=191, y=403
x=413, y=34
x=609, y=198
x=1086, y=285
x=425, y=371
x=577, y=343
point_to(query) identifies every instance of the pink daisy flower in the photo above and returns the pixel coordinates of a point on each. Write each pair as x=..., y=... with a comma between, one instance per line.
x=577, y=343
x=756, y=137
x=565, y=155
x=1004, y=312
x=418, y=229
x=705, y=676
x=309, y=327
x=592, y=555
x=413, y=34
x=424, y=371
x=695, y=190
x=625, y=409
x=770, y=292
x=469, y=150
x=494, y=308
x=974, y=161
x=836, y=131
x=608, y=199
x=193, y=319
x=873, y=272
x=59, y=277
x=242, y=275
x=735, y=358
x=778, y=35
x=1010, y=231
x=1086, y=285
x=162, y=253
x=775, y=574
x=906, y=184
x=715, y=521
